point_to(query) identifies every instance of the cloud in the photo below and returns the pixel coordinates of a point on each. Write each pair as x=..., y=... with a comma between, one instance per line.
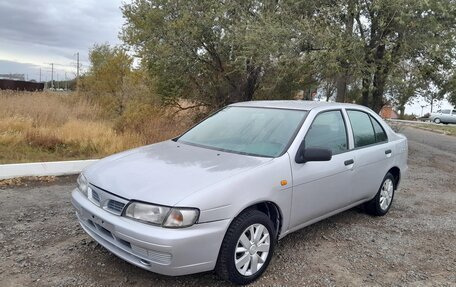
x=35, y=31
x=32, y=71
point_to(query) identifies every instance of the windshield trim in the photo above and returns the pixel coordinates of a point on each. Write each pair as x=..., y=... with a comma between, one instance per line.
x=285, y=149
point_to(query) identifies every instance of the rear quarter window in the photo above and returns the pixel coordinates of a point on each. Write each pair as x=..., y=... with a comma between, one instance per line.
x=363, y=131
x=380, y=134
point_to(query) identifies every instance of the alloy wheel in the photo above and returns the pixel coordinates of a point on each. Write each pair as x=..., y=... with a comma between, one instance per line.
x=252, y=249
x=386, y=194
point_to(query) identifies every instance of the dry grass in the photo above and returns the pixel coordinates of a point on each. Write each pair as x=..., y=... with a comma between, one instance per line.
x=444, y=129
x=59, y=126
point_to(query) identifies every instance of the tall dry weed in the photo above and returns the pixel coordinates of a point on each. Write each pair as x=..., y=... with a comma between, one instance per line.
x=45, y=108
x=48, y=125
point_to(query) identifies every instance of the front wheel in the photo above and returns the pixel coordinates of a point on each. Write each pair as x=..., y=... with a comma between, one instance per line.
x=381, y=203
x=247, y=248
x=437, y=121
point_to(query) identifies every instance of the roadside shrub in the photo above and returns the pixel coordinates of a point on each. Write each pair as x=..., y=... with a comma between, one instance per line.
x=153, y=123
x=47, y=141
x=409, y=117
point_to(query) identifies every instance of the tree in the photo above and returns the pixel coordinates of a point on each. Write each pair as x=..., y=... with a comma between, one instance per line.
x=217, y=52
x=365, y=40
x=398, y=30
x=450, y=89
x=409, y=79
x=193, y=50
x=108, y=77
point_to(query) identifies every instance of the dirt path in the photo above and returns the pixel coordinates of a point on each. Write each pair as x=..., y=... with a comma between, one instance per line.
x=414, y=245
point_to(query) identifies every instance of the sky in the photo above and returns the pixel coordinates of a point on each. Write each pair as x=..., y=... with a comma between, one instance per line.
x=415, y=107
x=35, y=33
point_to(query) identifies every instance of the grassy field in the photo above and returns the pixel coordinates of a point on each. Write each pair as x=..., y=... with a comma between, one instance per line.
x=49, y=126
x=444, y=129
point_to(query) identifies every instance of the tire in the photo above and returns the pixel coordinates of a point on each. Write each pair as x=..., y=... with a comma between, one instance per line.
x=437, y=121
x=383, y=200
x=232, y=248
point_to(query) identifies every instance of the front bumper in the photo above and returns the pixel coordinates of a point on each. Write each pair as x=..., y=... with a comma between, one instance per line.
x=161, y=250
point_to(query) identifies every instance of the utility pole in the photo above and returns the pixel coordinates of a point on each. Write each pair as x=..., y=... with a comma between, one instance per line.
x=422, y=107
x=52, y=75
x=77, y=73
x=40, y=75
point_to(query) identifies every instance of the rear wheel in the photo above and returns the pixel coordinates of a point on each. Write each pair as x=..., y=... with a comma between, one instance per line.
x=437, y=121
x=381, y=203
x=247, y=248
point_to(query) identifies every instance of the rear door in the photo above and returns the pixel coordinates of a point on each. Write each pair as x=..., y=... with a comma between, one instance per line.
x=446, y=116
x=373, y=154
x=453, y=117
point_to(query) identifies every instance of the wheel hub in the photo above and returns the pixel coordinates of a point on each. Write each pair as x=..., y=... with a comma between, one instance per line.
x=252, y=249
x=386, y=194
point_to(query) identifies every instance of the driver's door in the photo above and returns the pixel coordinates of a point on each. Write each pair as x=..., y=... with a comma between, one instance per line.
x=320, y=188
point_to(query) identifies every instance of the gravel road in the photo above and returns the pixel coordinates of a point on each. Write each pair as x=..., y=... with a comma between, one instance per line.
x=414, y=245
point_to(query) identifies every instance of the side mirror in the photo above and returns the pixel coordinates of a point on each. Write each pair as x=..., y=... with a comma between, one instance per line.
x=313, y=154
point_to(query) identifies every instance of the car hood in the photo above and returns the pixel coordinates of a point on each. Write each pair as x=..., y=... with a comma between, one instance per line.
x=167, y=172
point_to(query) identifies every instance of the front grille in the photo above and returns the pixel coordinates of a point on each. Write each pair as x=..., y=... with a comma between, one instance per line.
x=95, y=196
x=106, y=200
x=115, y=206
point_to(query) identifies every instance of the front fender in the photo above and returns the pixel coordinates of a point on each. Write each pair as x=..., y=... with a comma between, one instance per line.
x=228, y=198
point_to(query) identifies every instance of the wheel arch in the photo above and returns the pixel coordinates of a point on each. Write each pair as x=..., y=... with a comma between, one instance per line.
x=272, y=210
x=396, y=172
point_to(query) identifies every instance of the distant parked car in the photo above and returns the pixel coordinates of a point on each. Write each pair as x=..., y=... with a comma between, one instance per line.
x=220, y=195
x=444, y=117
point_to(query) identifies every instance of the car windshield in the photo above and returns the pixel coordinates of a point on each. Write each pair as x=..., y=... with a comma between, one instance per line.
x=246, y=130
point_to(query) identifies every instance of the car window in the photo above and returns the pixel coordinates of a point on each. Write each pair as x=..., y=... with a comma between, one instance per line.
x=454, y=112
x=363, y=131
x=247, y=130
x=328, y=131
x=447, y=112
x=380, y=134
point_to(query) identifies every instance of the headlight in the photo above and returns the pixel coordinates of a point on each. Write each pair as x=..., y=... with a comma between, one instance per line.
x=83, y=184
x=146, y=212
x=162, y=215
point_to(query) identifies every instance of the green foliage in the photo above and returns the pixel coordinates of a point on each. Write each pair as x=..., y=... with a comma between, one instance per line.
x=211, y=52
x=112, y=82
x=385, y=35
x=217, y=52
x=450, y=89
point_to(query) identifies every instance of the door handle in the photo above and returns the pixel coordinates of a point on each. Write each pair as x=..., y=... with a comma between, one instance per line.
x=349, y=162
x=388, y=151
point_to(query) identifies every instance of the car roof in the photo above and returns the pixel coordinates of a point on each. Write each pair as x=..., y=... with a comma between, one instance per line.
x=294, y=104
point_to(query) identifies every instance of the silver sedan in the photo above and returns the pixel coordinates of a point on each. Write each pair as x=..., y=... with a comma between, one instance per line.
x=219, y=196
x=444, y=117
